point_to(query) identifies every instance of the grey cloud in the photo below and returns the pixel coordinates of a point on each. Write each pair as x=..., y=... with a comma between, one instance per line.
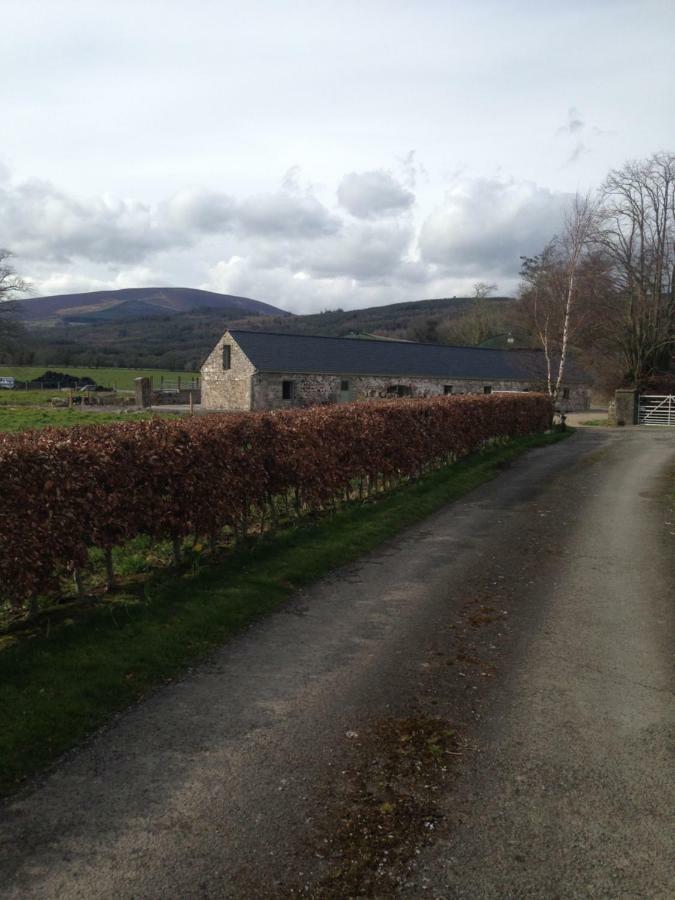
x=369, y=195
x=411, y=169
x=486, y=224
x=580, y=149
x=38, y=220
x=206, y=211
x=286, y=215
x=574, y=125
x=360, y=251
x=364, y=253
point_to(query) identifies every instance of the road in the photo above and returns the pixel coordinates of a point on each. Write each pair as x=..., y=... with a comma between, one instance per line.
x=479, y=709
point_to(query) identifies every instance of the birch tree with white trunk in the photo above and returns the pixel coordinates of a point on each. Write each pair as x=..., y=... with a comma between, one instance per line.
x=551, y=294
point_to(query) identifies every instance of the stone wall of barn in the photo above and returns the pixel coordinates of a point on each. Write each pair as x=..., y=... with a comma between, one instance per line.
x=226, y=388
x=236, y=385
x=311, y=389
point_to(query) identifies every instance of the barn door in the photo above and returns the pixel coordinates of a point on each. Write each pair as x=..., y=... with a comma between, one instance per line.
x=345, y=391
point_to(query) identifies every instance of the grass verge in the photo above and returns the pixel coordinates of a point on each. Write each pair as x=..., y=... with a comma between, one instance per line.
x=63, y=679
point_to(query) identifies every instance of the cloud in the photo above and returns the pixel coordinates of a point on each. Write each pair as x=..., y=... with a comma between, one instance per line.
x=580, y=149
x=574, y=124
x=299, y=291
x=72, y=283
x=285, y=214
x=411, y=169
x=39, y=221
x=285, y=246
x=363, y=252
x=369, y=195
x=195, y=209
x=486, y=224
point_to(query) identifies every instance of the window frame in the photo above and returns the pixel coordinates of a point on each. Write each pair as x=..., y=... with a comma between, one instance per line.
x=227, y=357
x=287, y=387
x=487, y=389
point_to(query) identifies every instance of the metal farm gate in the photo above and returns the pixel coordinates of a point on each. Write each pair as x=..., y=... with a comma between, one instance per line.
x=656, y=409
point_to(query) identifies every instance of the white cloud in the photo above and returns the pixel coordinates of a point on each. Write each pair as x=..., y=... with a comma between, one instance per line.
x=369, y=195
x=72, y=283
x=485, y=225
x=286, y=247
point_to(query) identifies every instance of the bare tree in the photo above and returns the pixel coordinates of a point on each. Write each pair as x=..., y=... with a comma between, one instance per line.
x=553, y=303
x=483, y=289
x=10, y=283
x=10, y=286
x=636, y=233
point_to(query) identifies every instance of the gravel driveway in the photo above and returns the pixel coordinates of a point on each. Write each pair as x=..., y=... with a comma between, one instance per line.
x=533, y=619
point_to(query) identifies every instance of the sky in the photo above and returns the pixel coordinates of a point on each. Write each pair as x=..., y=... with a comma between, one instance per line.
x=315, y=155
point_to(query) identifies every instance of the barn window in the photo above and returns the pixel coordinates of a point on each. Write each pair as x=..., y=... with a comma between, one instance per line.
x=226, y=356
x=399, y=390
x=566, y=393
x=487, y=388
x=288, y=390
x=344, y=385
x=447, y=388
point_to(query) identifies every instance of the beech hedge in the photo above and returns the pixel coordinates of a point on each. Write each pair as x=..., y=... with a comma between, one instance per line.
x=64, y=491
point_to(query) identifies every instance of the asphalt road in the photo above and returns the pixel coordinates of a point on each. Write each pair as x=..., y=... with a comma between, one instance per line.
x=535, y=616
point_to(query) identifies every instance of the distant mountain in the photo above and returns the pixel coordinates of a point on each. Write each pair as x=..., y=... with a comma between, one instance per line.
x=411, y=319
x=136, y=332
x=100, y=306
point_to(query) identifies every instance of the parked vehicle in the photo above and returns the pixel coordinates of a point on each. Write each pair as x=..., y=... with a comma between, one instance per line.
x=8, y=382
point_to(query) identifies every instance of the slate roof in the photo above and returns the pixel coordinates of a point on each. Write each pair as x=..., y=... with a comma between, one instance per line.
x=310, y=354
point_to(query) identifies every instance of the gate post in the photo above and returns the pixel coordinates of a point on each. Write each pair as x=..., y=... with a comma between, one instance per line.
x=626, y=407
x=143, y=388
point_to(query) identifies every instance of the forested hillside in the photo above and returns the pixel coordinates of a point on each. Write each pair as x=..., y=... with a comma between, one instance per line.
x=181, y=340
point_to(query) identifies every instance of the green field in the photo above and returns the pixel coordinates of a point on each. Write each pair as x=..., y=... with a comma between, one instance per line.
x=120, y=379
x=28, y=398
x=27, y=417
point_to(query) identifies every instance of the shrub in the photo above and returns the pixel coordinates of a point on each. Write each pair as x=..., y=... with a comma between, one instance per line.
x=64, y=491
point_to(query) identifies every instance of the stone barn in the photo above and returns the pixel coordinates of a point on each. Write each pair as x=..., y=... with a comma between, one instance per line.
x=254, y=370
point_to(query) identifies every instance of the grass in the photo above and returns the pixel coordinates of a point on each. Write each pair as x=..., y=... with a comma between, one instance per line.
x=24, y=418
x=28, y=398
x=66, y=676
x=120, y=379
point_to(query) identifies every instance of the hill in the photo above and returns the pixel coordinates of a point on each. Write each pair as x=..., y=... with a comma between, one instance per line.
x=181, y=340
x=95, y=306
x=410, y=319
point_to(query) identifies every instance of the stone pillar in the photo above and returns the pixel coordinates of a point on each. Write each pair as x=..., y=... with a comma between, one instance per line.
x=143, y=387
x=625, y=407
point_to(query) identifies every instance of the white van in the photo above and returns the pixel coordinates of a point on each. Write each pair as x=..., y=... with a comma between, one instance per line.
x=7, y=381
